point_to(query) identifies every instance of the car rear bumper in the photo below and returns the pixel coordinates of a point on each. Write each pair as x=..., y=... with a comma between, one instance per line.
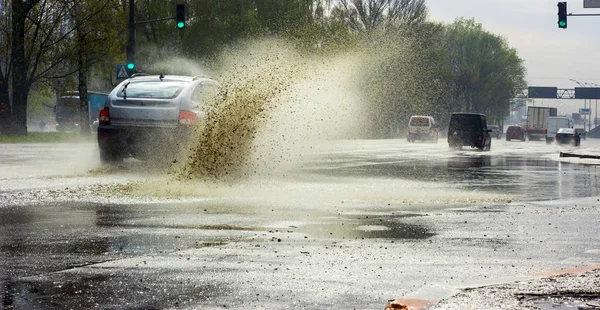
x=468, y=141
x=142, y=140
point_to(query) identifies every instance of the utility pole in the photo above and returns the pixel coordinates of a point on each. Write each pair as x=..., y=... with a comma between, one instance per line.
x=131, y=37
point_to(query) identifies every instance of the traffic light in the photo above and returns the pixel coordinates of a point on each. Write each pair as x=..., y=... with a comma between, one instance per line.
x=130, y=57
x=562, y=15
x=180, y=16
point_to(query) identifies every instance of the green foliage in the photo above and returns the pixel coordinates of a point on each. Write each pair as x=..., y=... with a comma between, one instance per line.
x=487, y=72
x=434, y=69
x=410, y=66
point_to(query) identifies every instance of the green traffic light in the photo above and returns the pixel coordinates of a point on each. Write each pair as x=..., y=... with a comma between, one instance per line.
x=562, y=23
x=180, y=25
x=130, y=66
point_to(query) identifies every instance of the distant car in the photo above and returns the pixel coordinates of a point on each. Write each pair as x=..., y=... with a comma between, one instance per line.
x=567, y=136
x=422, y=128
x=469, y=129
x=553, y=124
x=151, y=116
x=582, y=133
x=496, y=132
x=515, y=132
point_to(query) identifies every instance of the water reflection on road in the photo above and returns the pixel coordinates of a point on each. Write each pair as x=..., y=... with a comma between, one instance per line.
x=529, y=173
x=355, y=217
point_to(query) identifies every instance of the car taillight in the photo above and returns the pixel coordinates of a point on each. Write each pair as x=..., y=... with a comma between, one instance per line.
x=188, y=118
x=104, y=117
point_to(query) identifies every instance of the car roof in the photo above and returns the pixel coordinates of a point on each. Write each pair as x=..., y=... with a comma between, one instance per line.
x=566, y=130
x=467, y=113
x=184, y=78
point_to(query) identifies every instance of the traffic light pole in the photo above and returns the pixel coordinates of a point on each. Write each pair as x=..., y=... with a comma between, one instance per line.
x=571, y=14
x=130, y=49
x=131, y=37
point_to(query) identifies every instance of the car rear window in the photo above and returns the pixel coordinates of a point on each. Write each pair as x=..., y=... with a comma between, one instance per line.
x=152, y=89
x=566, y=130
x=465, y=122
x=419, y=121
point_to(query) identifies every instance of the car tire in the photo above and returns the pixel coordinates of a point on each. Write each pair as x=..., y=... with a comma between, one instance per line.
x=110, y=156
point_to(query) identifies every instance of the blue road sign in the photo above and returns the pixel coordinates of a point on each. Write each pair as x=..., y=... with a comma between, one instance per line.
x=585, y=111
x=122, y=72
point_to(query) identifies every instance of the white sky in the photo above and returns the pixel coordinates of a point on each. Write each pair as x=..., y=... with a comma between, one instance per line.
x=552, y=55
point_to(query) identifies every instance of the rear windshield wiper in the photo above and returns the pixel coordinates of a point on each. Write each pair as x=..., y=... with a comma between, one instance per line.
x=124, y=91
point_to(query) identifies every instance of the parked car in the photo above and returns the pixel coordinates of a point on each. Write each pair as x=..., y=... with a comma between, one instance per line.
x=422, y=128
x=567, y=136
x=496, y=132
x=151, y=116
x=515, y=132
x=582, y=133
x=469, y=129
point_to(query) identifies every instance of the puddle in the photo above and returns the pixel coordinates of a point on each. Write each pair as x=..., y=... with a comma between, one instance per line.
x=371, y=227
x=567, y=302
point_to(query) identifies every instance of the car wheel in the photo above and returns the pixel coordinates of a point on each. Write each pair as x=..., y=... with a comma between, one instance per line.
x=110, y=156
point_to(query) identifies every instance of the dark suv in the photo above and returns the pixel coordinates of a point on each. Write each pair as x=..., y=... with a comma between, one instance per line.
x=469, y=129
x=150, y=117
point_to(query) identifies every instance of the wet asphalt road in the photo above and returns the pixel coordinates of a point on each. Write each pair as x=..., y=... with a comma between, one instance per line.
x=353, y=224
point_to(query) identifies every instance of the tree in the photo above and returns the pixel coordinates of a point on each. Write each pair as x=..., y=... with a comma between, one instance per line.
x=45, y=44
x=96, y=39
x=369, y=15
x=16, y=121
x=487, y=72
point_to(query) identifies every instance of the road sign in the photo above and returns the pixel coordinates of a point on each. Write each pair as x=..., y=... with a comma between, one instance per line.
x=591, y=4
x=585, y=111
x=122, y=72
x=542, y=92
x=587, y=93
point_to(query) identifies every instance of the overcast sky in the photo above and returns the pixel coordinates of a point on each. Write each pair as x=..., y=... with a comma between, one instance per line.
x=552, y=56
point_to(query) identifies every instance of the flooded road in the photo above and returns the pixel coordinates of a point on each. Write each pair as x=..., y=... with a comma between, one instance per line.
x=350, y=223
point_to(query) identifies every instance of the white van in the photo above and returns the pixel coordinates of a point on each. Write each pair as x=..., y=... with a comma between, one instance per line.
x=553, y=124
x=422, y=128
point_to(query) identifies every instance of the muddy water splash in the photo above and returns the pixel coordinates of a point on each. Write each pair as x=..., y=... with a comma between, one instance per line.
x=271, y=101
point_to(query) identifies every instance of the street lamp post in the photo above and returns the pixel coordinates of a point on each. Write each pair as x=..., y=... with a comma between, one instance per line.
x=596, y=109
x=584, y=104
